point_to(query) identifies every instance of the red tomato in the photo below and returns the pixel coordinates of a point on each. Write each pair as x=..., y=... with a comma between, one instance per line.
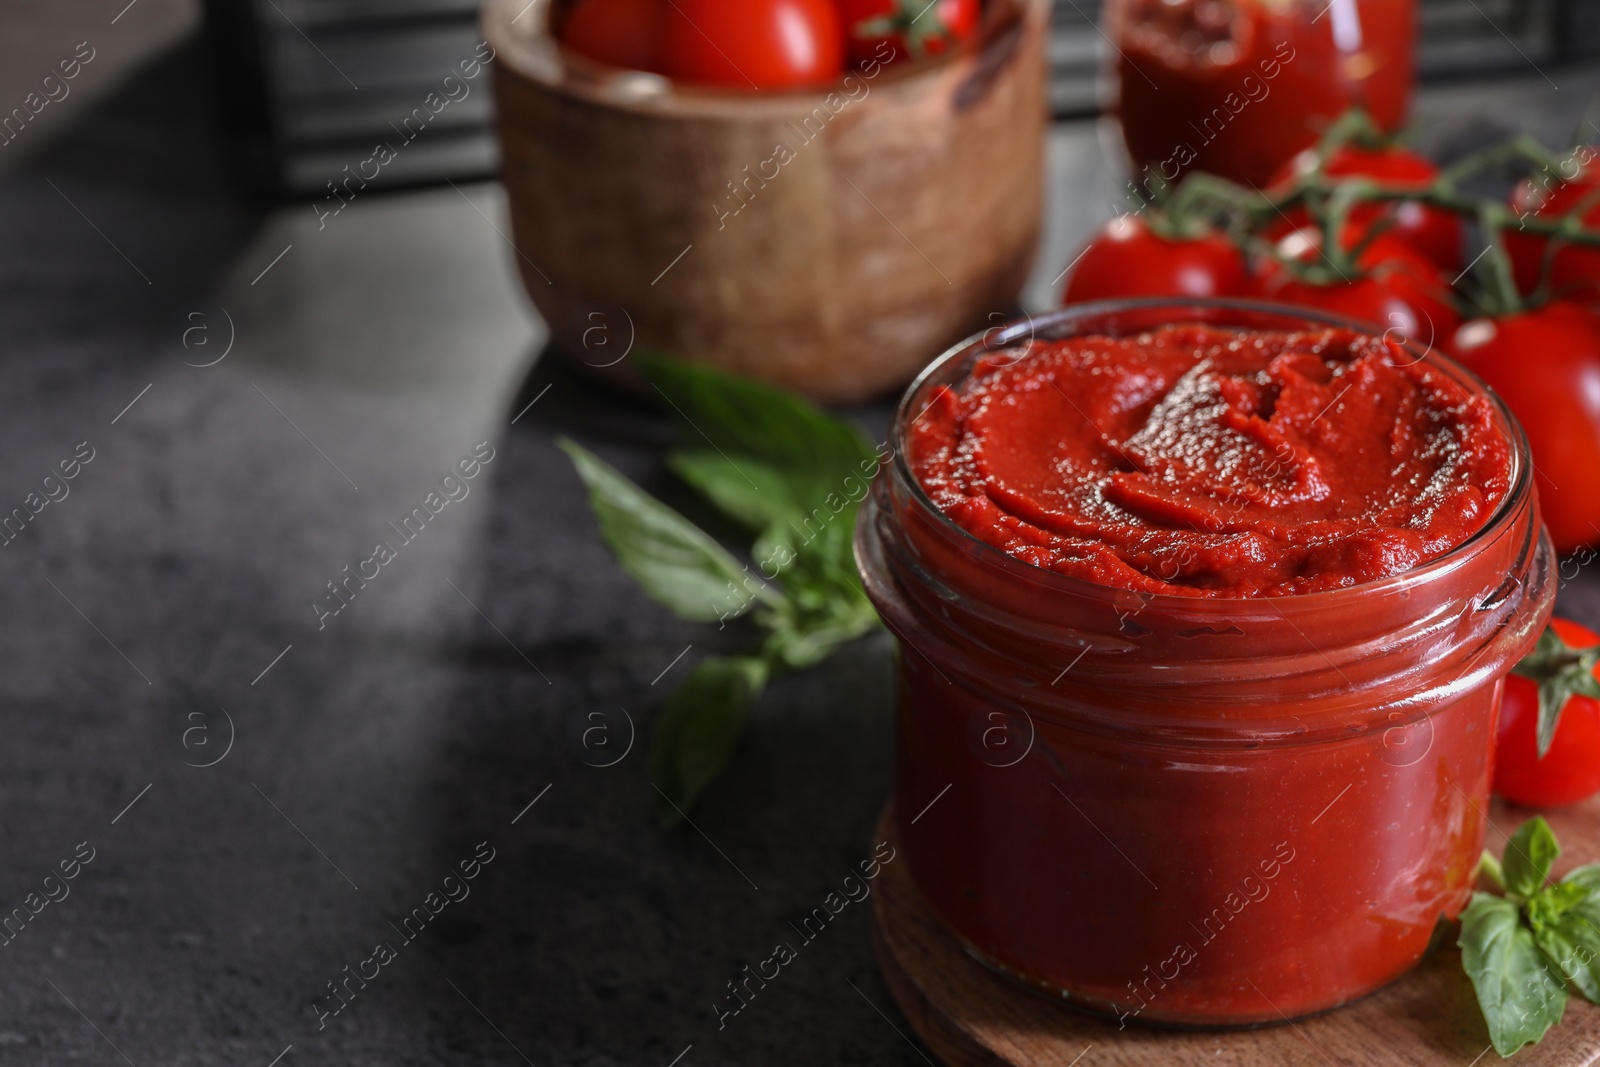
x=1574, y=186
x=753, y=44
x=1570, y=770
x=1127, y=258
x=1400, y=288
x=912, y=28
x=1546, y=365
x=623, y=33
x=1433, y=232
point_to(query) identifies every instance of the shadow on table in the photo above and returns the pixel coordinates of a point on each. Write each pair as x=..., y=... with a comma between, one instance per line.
x=594, y=936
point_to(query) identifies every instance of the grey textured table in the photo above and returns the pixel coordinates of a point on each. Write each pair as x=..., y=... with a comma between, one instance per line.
x=159, y=618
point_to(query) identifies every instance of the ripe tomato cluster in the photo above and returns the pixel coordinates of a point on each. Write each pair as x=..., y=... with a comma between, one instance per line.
x=1400, y=280
x=763, y=44
x=1532, y=330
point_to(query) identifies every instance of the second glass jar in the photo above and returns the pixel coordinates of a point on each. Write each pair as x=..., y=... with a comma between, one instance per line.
x=1237, y=87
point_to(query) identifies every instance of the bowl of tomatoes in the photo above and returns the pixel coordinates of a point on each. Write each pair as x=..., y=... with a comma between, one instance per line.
x=817, y=193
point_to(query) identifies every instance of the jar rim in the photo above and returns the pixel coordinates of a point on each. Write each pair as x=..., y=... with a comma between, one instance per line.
x=1292, y=317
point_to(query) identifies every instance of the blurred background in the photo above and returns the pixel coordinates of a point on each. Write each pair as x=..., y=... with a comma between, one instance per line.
x=294, y=118
x=297, y=120
x=265, y=388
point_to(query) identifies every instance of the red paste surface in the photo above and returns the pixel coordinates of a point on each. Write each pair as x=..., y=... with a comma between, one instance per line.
x=1210, y=462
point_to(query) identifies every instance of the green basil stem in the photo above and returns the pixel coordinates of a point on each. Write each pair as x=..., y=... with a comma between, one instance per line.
x=1489, y=867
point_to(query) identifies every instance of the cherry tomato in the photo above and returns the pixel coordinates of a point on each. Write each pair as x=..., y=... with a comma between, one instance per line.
x=1574, y=186
x=1546, y=365
x=753, y=44
x=1398, y=288
x=912, y=28
x=1570, y=769
x=622, y=33
x=1432, y=231
x=1127, y=258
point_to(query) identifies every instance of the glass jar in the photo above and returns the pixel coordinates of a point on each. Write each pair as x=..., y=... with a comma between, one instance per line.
x=1191, y=810
x=1237, y=87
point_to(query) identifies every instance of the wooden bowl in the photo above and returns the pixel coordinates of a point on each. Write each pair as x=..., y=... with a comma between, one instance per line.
x=829, y=241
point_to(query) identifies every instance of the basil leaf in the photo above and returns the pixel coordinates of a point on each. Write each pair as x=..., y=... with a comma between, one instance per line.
x=816, y=463
x=1587, y=876
x=825, y=533
x=797, y=516
x=817, y=554
x=748, y=490
x=772, y=552
x=1528, y=856
x=780, y=465
x=1571, y=941
x=1552, y=902
x=824, y=604
x=738, y=415
x=1580, y=926
x=700, y=727
x=677, y=563
x=1522, y=994
x=782, y=468
x=801, y=640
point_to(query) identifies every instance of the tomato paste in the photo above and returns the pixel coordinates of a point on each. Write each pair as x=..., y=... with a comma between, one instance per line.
x=1194, y=460
x=1237, y=87
x=1203, y=612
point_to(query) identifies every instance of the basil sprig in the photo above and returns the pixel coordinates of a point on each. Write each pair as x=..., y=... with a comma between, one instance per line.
x=1522, y=949
x=1560, y=671
x=791, y=477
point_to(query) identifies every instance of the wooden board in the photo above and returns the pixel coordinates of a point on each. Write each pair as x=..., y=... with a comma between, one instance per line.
x=970, y=1016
